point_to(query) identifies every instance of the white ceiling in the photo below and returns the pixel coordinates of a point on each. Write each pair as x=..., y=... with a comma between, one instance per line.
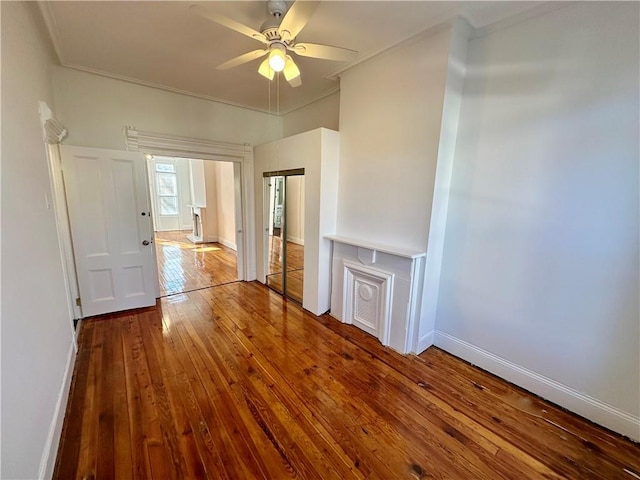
x=163, y=44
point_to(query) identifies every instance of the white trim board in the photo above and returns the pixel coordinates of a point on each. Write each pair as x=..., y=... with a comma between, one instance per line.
x=76, y=333
x=424, y=342
x=296, y=240
x=221, y=241
x=50, y=451
x=584, y=405
x=228, y=244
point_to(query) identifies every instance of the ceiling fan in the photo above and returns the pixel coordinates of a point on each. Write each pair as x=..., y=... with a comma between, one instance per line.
x=279, y=34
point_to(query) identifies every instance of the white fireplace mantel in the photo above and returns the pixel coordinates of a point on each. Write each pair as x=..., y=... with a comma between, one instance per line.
x=199, y=224
x=378, y=288
x=377, y=247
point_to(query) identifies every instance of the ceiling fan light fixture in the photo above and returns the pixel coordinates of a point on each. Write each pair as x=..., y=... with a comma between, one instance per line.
x=277, y=58
x=285, y=20
x=265, y=70
x=291, y=70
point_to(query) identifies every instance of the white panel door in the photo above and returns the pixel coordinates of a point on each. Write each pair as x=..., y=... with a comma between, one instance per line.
x=108, y=205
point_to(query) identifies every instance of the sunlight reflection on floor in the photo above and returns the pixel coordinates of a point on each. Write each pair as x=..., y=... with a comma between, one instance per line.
x=185, y=266
x=186, y=246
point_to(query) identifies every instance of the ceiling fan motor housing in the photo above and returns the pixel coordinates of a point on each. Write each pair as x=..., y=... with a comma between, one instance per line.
x=276, y=10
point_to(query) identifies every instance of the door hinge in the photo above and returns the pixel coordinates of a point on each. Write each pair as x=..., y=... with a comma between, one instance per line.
x=78, y=302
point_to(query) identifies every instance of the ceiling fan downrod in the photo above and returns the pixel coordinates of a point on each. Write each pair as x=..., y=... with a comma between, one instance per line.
x=270, y=28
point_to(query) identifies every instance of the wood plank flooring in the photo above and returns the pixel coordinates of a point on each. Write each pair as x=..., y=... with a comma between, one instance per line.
x=234, y=382
x=184, y=266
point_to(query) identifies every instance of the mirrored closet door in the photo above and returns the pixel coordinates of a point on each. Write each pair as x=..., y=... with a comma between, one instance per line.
x=285, y=232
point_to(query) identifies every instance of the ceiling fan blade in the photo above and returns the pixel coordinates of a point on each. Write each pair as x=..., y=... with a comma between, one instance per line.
x=296, y=18
x=326, y=52
x=227, y=22
x=247, y=57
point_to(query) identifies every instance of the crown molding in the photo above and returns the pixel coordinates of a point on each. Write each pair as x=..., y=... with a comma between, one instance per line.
x=451, y=17
x=159, y=86
x=305, y=104
x=435, y=25
x=144, y=83
x=445, y=20
x=52, y=28
x=54, y=35
x=537, y=11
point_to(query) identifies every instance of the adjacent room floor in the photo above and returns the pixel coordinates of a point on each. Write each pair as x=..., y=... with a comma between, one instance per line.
x=236, y=382
x=184, y=266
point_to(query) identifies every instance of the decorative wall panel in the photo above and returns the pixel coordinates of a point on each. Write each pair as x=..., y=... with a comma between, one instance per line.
x=367, y=299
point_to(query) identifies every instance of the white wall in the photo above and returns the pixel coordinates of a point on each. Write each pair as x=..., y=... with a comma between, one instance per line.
x=184, y=188
x=37, y=338
x=95, y=110
x=390, y=116
x=541, y=254
x=456, y=70
x=211, y=212
x=321, y=113
x=213, y=184
x=225, y=203
x=197, y=184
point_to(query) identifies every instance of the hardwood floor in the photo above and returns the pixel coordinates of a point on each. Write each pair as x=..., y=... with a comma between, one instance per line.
x=184, y=266
x=235, y=382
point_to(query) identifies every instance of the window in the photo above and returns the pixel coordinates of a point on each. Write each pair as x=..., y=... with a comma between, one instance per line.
x=167, y=185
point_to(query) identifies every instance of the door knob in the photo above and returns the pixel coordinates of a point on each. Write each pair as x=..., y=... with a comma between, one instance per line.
x=145, y=242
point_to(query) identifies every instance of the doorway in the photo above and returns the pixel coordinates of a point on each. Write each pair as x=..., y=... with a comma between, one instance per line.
x=93, y=176
x=285, y=248
x=194, y=216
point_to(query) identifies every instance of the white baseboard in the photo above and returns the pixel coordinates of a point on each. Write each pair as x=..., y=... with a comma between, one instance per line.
x=197, y=240
x=76, y=333
x=296, y=240
x=424, y=342
x=228, y=244
x=589, y=407
x=50, y=451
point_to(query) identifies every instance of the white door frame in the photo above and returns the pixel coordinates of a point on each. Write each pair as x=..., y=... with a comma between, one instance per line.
x=174, y=146
x=53, y=133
